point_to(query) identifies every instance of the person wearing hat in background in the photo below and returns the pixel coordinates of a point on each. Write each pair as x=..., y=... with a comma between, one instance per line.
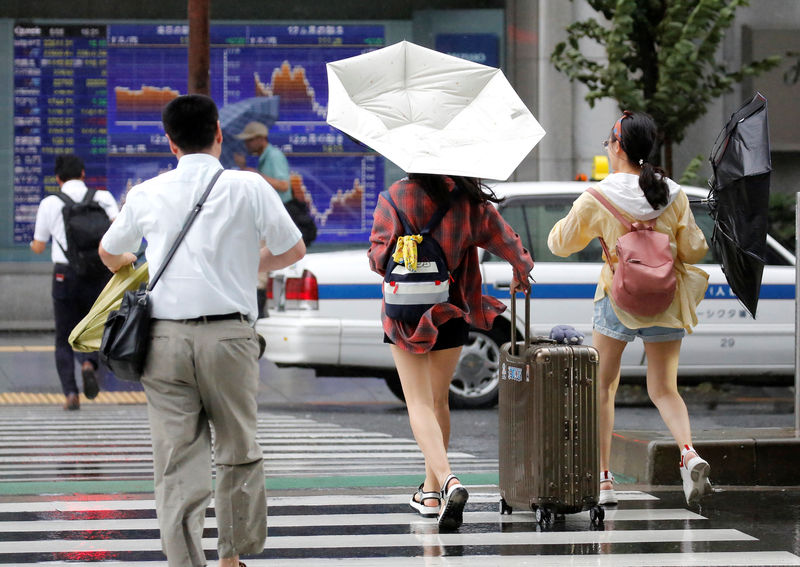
x=272, y=164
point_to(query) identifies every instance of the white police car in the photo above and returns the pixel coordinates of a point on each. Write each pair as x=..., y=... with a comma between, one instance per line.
x=325, y=310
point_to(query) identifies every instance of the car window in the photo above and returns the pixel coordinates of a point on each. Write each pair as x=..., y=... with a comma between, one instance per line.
x=532, y=218
x=706, y=224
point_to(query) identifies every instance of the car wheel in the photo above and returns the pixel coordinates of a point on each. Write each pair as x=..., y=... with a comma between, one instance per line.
x=475, y=382
x=476, y=379
x=393, y=383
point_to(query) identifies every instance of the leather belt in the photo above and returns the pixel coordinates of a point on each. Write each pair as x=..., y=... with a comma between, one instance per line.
x=211, y=318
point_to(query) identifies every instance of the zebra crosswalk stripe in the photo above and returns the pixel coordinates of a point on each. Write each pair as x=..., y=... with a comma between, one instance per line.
x=388, y=536
x=764, y=558
x=113, y=444
x=364, y=527
x=371, y=541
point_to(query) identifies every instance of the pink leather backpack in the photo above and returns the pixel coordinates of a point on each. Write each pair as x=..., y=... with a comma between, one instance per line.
x=644, y=280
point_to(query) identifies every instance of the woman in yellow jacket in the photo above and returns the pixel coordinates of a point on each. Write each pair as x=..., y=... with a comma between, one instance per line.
x=641, y=192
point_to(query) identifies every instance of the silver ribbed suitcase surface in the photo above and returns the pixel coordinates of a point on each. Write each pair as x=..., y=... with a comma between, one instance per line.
x=548, y=426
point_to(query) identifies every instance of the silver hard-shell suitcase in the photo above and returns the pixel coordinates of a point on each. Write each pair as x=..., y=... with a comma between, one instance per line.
x=549, y=456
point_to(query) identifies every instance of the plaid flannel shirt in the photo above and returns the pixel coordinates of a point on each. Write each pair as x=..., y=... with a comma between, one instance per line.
x=464, y=228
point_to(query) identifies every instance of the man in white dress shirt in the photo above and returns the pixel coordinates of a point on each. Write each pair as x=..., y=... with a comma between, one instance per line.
x=203, y=361
x=73, y=295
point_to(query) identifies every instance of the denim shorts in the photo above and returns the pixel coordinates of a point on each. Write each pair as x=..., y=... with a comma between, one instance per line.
x=606, y=322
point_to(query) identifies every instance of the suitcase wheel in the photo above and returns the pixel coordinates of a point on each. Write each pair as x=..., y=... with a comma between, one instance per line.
x=543, y=516
x=596, y=515
x=505, y=508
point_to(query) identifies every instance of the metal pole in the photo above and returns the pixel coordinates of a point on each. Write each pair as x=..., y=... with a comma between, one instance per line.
x=797, y=317
x=198, y=47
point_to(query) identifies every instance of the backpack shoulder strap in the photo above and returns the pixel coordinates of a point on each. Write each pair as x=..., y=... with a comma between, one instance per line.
x=607, y=204
x=89, y=196
x=65, y=198
x=435, y=219
x=603, y=201
x=403, y=218
x=440, y=212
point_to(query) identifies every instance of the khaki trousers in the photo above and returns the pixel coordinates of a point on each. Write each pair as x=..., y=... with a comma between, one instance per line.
x=199, y=374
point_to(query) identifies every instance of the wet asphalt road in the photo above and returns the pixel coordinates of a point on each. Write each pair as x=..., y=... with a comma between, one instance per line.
x=769, y=514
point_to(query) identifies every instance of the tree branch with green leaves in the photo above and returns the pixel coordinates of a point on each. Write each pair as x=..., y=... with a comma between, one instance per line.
x=661, y=59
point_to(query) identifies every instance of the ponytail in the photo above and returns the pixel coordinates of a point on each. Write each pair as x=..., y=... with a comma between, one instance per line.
x=652, y=183
x=636, y=133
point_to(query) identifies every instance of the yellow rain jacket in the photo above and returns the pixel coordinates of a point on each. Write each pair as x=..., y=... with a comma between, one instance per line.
x=589, y=219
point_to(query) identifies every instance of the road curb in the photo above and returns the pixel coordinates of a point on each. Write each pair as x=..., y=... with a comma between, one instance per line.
x=767, y=457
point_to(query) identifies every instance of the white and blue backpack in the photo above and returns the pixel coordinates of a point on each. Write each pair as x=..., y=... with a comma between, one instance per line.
x=417, y=276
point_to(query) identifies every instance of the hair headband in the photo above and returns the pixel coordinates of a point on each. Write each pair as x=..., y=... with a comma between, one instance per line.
x=617, y=129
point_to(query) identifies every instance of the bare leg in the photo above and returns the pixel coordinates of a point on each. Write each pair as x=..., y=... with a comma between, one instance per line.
x=229, y=562
x=610, y=355
x=441, y=365
x=417, y=386
x=662, y=386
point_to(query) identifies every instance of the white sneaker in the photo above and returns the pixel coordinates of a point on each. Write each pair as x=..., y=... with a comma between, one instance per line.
x=694, y=473
x=607, y=497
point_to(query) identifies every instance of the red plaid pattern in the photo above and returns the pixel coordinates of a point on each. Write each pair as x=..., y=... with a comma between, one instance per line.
x=465, y=227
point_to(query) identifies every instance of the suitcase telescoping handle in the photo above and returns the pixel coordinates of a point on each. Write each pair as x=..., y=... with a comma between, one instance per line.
x=527, y=293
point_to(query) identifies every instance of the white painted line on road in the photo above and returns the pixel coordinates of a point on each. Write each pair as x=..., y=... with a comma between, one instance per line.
x=304, y=457
x=308, y=448
x=306, y=520
x=403, y=540
x=299, y=500
x=144, y=439
x=701, y=559
x=511, y=538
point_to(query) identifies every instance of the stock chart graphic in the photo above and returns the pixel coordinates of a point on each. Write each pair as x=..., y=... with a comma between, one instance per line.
x=335, y=190
x=143, y=105
x=297, y=96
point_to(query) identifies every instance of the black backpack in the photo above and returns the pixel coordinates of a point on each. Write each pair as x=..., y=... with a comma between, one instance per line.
x=85, y=223
x=409, y=294
x=302, y=218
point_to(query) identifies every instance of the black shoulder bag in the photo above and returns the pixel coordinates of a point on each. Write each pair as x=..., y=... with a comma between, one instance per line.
x=126, y=335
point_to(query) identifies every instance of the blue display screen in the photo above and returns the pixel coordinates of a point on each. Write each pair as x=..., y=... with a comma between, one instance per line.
x=98, y=91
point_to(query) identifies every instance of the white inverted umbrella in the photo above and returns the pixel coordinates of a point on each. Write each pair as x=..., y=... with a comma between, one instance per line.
x=432, y=113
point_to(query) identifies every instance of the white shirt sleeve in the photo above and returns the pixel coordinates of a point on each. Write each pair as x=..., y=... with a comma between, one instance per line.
x=107, y=201
x=44, y=220
x=124, y=234
x=276, y=227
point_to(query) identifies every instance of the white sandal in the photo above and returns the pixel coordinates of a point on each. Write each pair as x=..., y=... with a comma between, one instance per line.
x=454, y=499
x=419, y=505
x=694, y=474
x=607, y=497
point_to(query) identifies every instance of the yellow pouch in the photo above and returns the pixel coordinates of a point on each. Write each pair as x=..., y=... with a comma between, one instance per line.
x=88, y=334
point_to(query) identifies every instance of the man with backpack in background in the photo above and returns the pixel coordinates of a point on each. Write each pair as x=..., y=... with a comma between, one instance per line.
x=75, y=218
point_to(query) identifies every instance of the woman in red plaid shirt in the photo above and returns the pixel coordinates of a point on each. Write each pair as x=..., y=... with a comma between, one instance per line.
x=426, y=353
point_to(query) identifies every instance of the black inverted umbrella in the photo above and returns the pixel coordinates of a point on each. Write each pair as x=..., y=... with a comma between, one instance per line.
x=739, y=199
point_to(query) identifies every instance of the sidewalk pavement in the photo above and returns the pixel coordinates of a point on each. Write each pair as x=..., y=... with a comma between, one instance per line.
x=745, y=432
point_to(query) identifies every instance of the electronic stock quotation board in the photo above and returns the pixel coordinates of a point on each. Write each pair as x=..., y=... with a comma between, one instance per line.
x=98, y=90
